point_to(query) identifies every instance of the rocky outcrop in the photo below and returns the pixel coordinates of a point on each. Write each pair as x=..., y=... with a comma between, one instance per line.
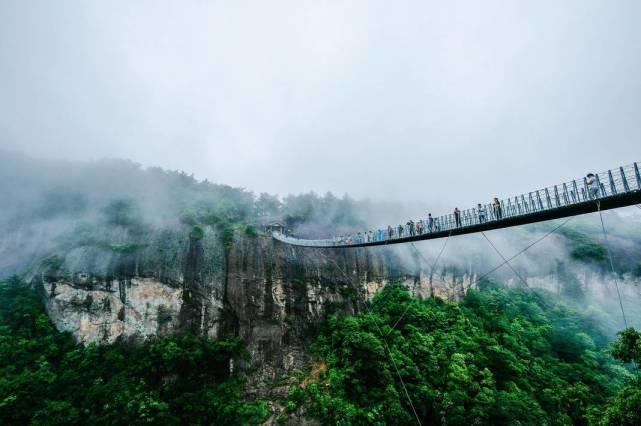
x=271, y=295
x=135, y=308
x=276, y=295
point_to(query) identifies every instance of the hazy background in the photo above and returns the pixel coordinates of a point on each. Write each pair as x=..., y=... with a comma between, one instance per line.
x=422, y=101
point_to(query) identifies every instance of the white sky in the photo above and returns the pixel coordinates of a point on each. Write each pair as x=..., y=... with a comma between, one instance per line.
x=431, y=101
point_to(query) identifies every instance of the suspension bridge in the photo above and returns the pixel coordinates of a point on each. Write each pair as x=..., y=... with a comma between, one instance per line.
x=603, y=191
x=608, y=190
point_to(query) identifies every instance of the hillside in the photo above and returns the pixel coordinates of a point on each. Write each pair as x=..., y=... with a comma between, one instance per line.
x=141, y=263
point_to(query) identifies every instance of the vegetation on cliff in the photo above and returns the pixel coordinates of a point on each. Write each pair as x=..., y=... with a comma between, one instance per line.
x=45, y=378
x=501, y=356
x=115, y=205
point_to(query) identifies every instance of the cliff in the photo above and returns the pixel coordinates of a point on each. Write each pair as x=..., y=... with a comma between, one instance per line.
x=271, y=295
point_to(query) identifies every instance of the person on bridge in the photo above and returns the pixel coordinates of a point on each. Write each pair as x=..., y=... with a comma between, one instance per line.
x=496, y=205
x=593, y=186
x=457, y=217
x=437, y=225
x=481, y=211
x=420, y=227
x=430, y=222
x=400, y=231
x=390, y=231
x=411, y=228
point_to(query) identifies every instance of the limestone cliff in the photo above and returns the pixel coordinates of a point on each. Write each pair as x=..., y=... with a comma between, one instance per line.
x=269, y=294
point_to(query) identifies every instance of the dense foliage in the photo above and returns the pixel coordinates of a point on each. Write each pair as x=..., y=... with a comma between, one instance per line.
x=115, y=205
x=501, y=356
x=625, y=407
x=46, y=379
x=126, y=194
x=583, y=247
x=586, y=242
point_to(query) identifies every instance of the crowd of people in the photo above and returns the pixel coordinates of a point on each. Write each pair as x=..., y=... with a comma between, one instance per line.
x=423, y=226
x=480, y=214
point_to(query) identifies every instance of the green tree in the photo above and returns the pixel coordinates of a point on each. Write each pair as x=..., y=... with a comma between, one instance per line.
x=625, y=407
x=45, y=378
x=500, y=356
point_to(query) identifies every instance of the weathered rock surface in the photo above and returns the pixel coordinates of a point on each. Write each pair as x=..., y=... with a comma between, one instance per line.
x=271, y=295
x=131, y=308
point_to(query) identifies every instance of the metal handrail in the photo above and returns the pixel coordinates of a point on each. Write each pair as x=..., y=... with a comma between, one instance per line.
x=625, y=179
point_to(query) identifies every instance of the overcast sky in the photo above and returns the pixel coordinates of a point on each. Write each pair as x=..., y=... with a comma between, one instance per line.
x=448, y=101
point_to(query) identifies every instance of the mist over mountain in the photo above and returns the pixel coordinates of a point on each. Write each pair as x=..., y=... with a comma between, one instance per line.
x=52, y=206
x=118, y=253
x=185, y=188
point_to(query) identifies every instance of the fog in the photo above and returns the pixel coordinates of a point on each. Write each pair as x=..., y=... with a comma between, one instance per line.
x=545, y=260
x=408, y=108
x=426, y=103
x=53, y=207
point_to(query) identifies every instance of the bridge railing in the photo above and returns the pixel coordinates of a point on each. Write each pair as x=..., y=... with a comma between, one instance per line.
x=607, y=184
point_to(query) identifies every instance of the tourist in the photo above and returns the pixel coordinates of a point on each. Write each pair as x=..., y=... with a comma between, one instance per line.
x=593, y=186
x=496, y=205
x=457, y=217
x=481, y=212
x=430, y=222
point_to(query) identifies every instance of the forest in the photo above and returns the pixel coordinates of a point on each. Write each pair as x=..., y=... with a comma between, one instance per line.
x=194, y=195
x=46, y=378
x=500, y=356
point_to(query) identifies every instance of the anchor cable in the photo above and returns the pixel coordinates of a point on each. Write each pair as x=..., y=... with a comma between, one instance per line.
x=431, y=271
x=607, y=248
x=383, y=338
x=522, y=251
x=507, y=262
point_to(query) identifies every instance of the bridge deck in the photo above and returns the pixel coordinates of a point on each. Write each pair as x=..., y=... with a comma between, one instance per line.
x=614, y=189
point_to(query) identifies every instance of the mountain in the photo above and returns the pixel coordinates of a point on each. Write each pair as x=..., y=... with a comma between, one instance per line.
x=124, y=255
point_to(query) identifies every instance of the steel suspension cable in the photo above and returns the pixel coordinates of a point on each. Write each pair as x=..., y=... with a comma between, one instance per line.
x=505, y=261
x=387, y=348
x=431, y=271
x=398, y=373
x=522, y=251
x=607, y=248
x=514, y=270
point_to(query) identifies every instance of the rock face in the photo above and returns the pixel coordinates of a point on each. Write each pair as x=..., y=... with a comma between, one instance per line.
x=130, y=308
x=277, y=294
x=271, y=295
